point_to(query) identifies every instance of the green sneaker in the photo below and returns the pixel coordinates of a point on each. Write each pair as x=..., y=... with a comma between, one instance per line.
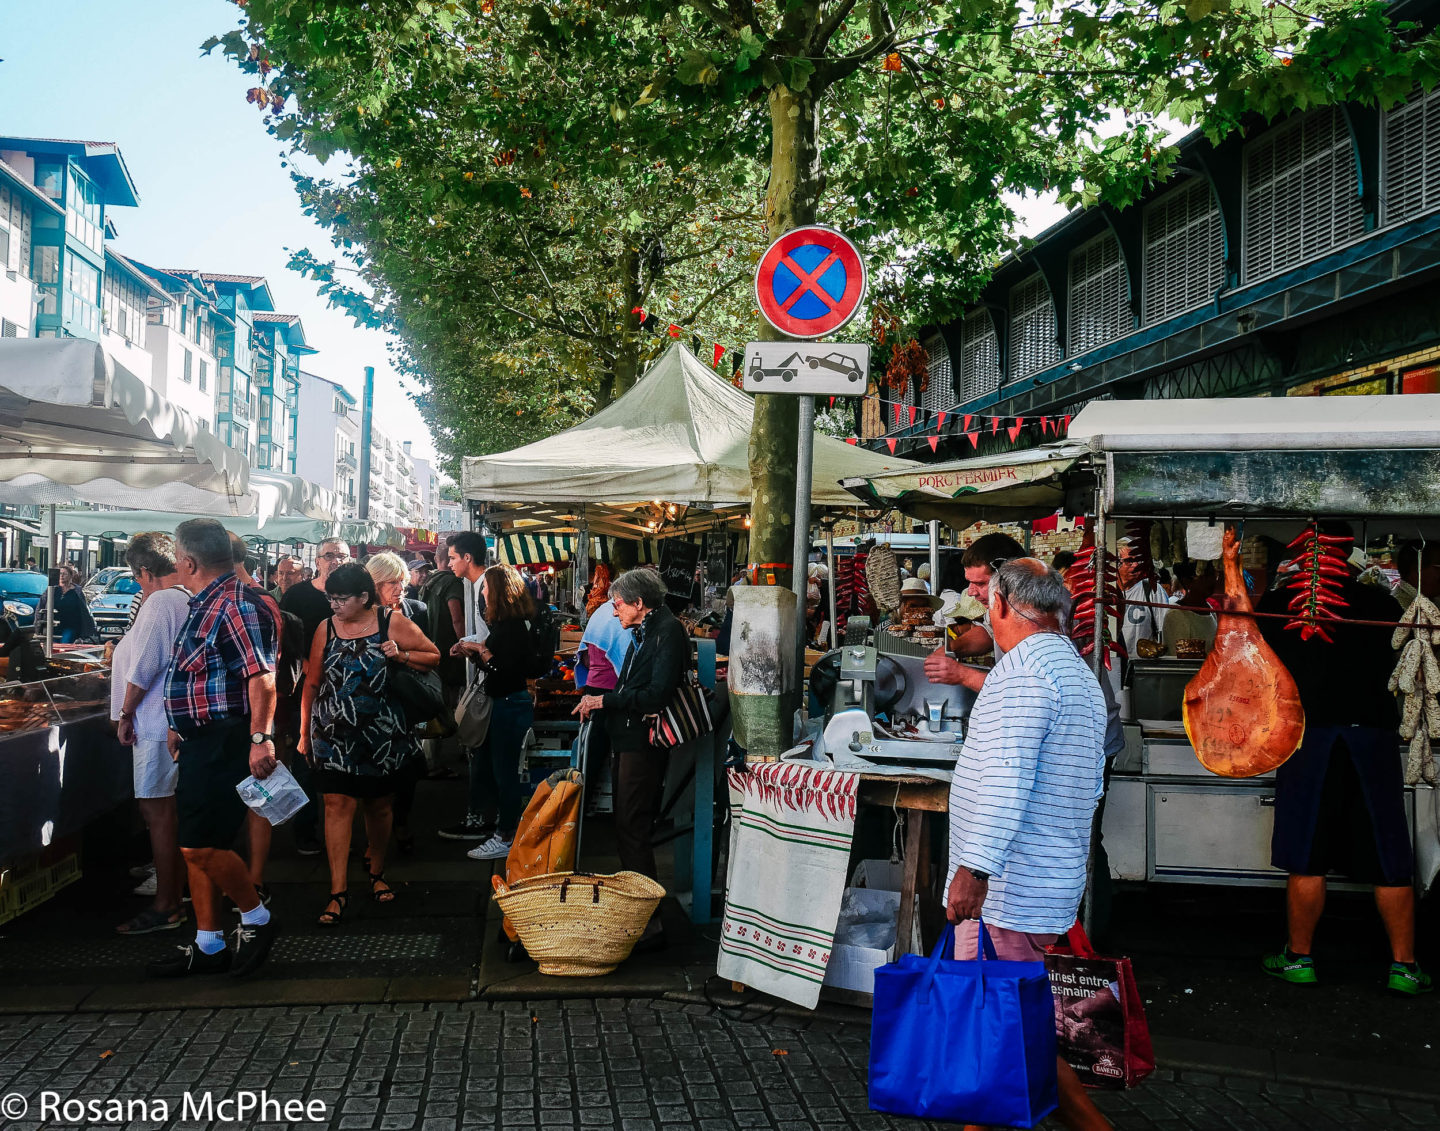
x=1409, y=980
x=1297, y=969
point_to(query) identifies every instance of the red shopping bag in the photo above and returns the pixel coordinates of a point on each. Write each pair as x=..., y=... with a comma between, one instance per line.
x=1099, y=1015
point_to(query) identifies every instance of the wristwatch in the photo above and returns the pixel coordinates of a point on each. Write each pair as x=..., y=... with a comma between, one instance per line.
x=259, y=737
x=983, y=877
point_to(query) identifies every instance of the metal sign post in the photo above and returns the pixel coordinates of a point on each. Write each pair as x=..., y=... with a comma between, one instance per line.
x=805, y=451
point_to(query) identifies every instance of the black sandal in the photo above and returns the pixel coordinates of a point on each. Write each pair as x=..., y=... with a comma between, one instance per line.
x=386, y=896
x=330, y=918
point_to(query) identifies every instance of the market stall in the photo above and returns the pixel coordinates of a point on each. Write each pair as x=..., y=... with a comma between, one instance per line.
x=76, y=427
x=666, y=462
x=1273, y=466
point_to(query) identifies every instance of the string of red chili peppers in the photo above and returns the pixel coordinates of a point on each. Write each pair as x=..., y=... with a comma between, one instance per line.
x=1082, y=609
x=1323, y=562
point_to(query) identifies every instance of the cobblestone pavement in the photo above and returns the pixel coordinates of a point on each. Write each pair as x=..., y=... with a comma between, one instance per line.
x=634, y=1065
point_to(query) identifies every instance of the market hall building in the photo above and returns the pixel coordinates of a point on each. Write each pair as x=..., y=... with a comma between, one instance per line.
x=1290, y=260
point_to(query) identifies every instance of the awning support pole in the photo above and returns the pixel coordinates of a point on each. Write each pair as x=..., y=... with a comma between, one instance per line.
x=830, y=571
x=52, y=597
x=933, y=528
x=799, y=579
x=1097, y=657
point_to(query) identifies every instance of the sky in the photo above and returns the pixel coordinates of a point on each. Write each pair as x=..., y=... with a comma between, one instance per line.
x=213, y=195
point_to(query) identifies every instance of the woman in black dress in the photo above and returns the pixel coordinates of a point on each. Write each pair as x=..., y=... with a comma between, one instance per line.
x=353, y=726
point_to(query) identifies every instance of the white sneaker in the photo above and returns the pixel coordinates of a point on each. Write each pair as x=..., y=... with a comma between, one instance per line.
x=146, y=886
x=140, y=871
x=493, y=849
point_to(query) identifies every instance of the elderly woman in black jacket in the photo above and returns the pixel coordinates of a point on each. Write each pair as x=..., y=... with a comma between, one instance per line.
x=648, y=679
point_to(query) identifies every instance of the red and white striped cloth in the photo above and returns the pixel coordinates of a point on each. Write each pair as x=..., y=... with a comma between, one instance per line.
x=789, y=847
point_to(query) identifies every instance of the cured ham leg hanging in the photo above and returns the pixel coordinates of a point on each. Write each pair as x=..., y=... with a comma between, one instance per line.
x=1242, y=709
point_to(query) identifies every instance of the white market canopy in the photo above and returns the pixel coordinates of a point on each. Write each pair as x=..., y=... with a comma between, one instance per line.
x=681, y=434
x=75, y=427
x=1260, y=424
x=286, y=529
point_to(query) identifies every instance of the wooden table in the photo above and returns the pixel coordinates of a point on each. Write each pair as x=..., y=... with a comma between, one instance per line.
x=918, y=797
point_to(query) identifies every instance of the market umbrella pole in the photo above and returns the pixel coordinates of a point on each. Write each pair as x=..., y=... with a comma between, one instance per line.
x=933, y=529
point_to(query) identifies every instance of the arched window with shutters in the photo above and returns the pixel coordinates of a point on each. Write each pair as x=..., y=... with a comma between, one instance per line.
x=1302, y=195
x=979, y=355
x=1032, y=328
x=1099, y=295
x=1410, y=177
x=1184, y=252
x=939, y=394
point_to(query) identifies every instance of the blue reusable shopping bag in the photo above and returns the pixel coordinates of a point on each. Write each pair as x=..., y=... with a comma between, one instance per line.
x=972, y=1042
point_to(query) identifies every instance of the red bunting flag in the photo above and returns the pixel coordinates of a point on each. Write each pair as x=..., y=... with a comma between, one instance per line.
x=895, y=413
x=851, y=440
x=1014, y=429
x=674, y=330
x=974, y=438
x=832, y=402
x=719, y=353
x=994, y=426
x=1065, y=421
x=912, y=416
x=1044, y=426
x=966, y=426
x=934, y=441
x=890, y=443
x=940, y=421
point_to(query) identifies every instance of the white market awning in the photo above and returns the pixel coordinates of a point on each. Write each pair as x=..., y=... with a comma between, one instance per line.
x=127, y=523
x=76, y=427
x=1260, y=424
x=682, y=434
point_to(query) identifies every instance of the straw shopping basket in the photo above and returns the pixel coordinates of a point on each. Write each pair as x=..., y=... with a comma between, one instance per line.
x=578, y=924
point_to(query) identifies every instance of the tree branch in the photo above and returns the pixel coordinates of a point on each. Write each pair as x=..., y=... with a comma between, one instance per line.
x=829, y=26
x=549, y=286
x=556, y=326
x=716, y=15
x=711, y=297
x=883, y=40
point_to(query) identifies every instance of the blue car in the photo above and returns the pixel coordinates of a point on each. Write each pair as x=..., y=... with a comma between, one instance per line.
x=20, y=591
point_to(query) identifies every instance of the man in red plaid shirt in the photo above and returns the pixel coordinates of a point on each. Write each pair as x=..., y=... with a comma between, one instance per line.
x=220, y=697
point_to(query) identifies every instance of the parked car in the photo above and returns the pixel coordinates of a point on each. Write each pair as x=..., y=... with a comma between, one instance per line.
x=20, y=592
x=100, y=581
x=111, y=609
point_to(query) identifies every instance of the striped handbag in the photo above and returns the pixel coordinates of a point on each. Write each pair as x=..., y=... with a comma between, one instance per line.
x=685, y=718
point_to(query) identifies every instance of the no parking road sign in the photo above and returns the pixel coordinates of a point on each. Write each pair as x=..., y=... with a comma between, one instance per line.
x=810, y=282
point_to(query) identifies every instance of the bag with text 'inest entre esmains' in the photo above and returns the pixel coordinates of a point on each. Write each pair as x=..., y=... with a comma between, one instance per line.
x=1099, y=1015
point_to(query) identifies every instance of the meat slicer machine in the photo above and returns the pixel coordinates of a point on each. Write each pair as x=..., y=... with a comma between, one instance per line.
x=923, y=720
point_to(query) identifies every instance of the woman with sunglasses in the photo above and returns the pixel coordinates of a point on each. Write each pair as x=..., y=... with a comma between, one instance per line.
x=352, y=725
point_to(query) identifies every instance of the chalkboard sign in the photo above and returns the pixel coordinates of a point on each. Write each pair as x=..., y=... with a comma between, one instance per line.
x=678, y=561
x=717, y=559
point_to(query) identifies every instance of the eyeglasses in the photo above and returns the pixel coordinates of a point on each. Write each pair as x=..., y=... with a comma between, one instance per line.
x=996, y=563
x=332, y=557
x=334, y=600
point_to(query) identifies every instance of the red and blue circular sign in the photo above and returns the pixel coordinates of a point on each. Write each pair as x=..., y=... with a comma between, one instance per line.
x=810, y=282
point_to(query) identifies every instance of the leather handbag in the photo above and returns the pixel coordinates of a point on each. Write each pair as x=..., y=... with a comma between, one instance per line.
x=420, y=692
x=472, y=715
x=685, y=718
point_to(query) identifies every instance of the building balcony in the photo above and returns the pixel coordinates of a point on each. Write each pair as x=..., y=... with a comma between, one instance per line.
x=345, y=462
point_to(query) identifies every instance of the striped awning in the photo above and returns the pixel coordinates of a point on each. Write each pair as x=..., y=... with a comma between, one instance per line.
x=534, y=549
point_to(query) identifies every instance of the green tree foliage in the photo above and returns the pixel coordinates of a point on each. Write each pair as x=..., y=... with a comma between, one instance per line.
x=904, y=122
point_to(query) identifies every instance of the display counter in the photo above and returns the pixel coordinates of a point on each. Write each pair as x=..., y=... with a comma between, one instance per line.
x=59, y=759
x=1169, y=819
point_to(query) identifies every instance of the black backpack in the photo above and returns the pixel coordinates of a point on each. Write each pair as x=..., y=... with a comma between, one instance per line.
x=544, y=640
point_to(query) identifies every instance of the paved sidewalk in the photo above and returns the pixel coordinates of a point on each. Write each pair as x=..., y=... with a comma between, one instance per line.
x=633, y=1065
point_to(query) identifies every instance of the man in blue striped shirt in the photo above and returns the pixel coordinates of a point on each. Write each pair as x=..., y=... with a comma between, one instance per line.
x=1025, y=788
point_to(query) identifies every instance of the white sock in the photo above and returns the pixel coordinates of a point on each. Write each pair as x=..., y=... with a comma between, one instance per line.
x=258, y=916
x=210, y=942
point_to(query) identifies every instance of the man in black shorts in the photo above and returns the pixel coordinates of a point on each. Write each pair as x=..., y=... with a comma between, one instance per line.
x=220, y=699
x=1340, y=798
